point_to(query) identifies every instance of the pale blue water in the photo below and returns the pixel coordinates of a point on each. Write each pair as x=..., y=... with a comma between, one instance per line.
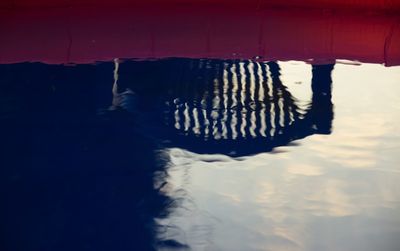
x=328, y=192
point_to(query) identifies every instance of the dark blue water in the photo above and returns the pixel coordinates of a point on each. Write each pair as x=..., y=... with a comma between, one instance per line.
x=199, y=154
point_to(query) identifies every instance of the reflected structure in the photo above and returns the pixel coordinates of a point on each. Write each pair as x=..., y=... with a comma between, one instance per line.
x=228, y=107
x=82, y=165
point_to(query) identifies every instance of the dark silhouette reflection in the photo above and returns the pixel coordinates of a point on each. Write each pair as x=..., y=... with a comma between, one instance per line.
x=81, y=166
x=71, y=177
x=321, y=107
x=229, y=107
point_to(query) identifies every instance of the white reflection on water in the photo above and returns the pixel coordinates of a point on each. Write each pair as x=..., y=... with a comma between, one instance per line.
x=333, y=192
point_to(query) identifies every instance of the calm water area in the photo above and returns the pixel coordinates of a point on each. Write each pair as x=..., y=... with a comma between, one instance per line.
x=200, y=154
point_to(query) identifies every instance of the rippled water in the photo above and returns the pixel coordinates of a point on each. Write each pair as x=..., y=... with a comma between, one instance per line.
x=200, y=154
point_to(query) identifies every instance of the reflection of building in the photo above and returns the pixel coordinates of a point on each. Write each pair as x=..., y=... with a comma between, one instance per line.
x=241, y=102
x=230, y=106
x=85, y=178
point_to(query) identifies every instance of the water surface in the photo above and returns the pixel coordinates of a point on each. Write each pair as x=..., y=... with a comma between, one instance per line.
x=200, y=154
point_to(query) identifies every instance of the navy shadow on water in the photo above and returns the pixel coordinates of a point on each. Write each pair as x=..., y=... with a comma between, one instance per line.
x=73, y=178
x=81, y=160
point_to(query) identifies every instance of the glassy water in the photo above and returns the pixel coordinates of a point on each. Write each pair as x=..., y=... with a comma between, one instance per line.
x=200, y=154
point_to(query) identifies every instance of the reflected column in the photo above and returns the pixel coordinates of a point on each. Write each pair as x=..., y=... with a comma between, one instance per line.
x=321, y=108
